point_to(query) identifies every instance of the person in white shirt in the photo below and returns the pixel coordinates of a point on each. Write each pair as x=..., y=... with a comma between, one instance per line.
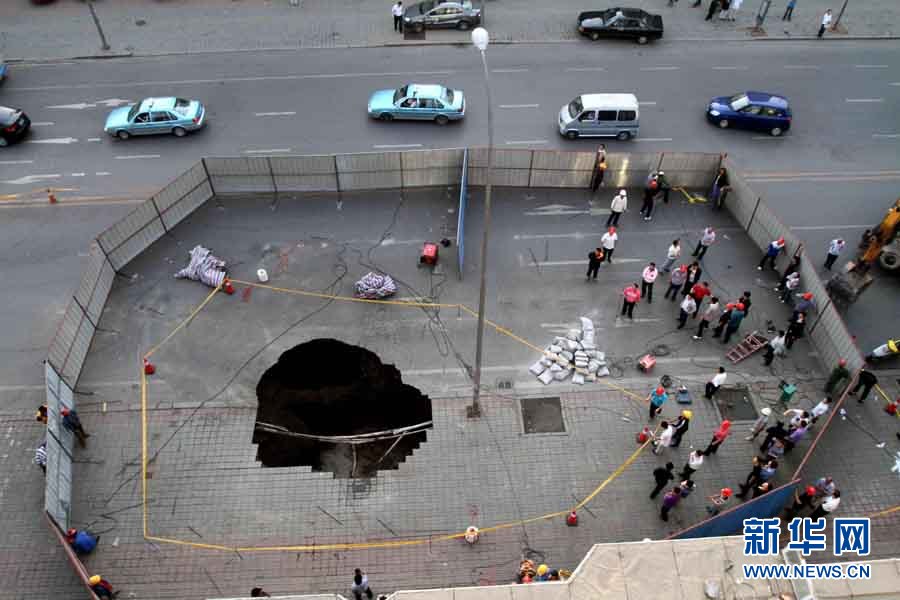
x=821, y=408
x=834, y=250
x=826, y=21
x=713, y=385
x=617, y=207
x=712, y=313
x=706, y=240
x=397, y=11
x=688, y=306
x=608, y=241
x=828, y=506
x=695, y=461
x=760, y=424
x=647, y=278
x=361, y=585
x=797, y=415
x=665, y=438
x=672, y=255
x=775, y=346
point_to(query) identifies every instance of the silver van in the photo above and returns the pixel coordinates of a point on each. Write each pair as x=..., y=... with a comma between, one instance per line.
x=600, y=115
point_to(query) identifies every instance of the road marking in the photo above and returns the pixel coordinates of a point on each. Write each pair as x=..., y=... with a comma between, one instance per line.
x=810, y=67
x=871, y=66
x=896, y=83
x=66, y=140
x=136, y=156
x=864, y=100
x=269, y=151
x=102, y=173
x=32, y=178
x=387, y=146
x=109, y=103
x=42, y=123
x=730, y=68
x=516, y=70
x=513, y=142
x=652, y=139
x=648, y=103
x=16, y=162
x=620, y=322
x=519, y=105
x=578, y=69
x=659, y=68
x=779, y=177
x=77, y=174
x=276, y=114
x=885, y=135
x=829, y=227
x=767, y=137
x=93, y=139
x=163, y=83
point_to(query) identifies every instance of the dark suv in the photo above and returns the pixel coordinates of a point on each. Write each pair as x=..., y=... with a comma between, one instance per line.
x=14, y=125
x=432, y=14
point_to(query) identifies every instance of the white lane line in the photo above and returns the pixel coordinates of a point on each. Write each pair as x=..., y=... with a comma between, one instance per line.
x=267, y=151
x=652, y=139
x=660, y=68
x=870, y=66
x=517, y=70
x=581, y=261
x=42, y=123
x=136, y=156
x=514, y=142
x=800, y=67
x=829, y=227
x=77, y=174
x=30, y=179
x=648, y=103
x=16, y=162
x=896, y=83
x=387, y=146
x=66, y=140
x=580, y=69
x=93, y=139
x=276, y=114
x=879, y=136
x=102, y=173
x=519, y=105
x=730, y=68
x=864, y=100
x=767, y=137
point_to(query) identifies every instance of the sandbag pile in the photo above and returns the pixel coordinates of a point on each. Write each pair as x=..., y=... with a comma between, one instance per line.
x=204, y=267
x=374, y=286
x=575, y=355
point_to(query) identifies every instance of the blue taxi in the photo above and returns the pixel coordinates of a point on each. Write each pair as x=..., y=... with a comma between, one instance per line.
x=418, y=102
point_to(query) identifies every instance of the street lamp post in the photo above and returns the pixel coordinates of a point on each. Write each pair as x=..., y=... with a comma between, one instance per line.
x=480, y=39
x=837, y=21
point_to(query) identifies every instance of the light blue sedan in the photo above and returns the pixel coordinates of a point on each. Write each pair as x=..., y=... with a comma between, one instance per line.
x=152, y=116
x=419, y=102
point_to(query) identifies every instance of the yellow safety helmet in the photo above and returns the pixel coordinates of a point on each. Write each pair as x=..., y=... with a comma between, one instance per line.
x=687, y=414
x=892, y=345
x=542, y=570
x=94, y=580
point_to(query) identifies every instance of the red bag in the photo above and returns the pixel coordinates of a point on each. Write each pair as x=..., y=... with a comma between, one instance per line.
x=643, y=435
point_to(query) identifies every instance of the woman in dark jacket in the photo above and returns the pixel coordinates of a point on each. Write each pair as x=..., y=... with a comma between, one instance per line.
x=693, y=277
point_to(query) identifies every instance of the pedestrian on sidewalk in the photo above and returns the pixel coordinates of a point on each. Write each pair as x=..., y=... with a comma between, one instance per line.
x=665, y=437
x=693, y=277
x=599, y=168
x=718, y=501
x=836, y=379
x=793, y=267
x=759, y=424
x=681, y=424
x=801, y=501
x=699, y=291
x=258, y=592
x=648, y=276
x=713, y=385
x=714, y=7
x=807, y=304
x=752, y=477
x=776, y=449
x=828, y=506
x=72, y=422
x=775, y=248
x=670, y=501
x=789, y=10
x=102, y=588
x=397, y=11
x=735, y=8
x=723, y=320
x=687, y=487
x=672, y=255
x=796, y=416
x=618, y=205
x=721, y=185
x=694, y=462
x=40, y=456
x=825, y=486
x=676, y=280
x=41, y=415
x=821, y=409
x=360, y=585
x=662, y=476
x=795, y=434
x=595, y=259
x=865, y=383
x=790, y=286
x=650, y=190
x=707, y=239
x=795, y=330
x=608, y=241
x=657, y=398
x=718, y=437
x=834, y=250
x=776, y=346
x=712, y=313
x=82, y=542
x=734, y=322
x=826, y=22
x=632, y=294
x=688, y=306
x=664, y=185
x=726, y=7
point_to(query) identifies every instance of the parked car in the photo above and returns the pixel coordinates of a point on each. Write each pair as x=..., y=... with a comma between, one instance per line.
x=433, y=14
x=419, y=102
x=154, y=116
x=621, y=23
x=759, y=111
x=14, y=124
x=600, y=115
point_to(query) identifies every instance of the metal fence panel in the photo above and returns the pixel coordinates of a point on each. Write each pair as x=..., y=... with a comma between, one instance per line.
x=121, y=231
x=239, y=175
x=136, y=244
x=58, y=482
x=690, y=169
x=741, y=201
x=438, y=176
x=296, y=166
x=80, y=346
x=500, y=177
x=193, y=200
x=559, y=160
x=374, y=180
x=62, y=341
x=630, y=170
x=366, y=163
x=503, y=159
x=560, y=179
x=95, y=283
x=180, y=187
x=432, y=159
x=307, y=183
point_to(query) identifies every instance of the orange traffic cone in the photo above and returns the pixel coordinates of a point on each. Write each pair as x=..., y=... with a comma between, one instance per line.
x=227, y=287
x=572, y=519
x=149, y=368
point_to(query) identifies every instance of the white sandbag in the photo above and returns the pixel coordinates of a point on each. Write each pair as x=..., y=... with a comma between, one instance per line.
x=567, y=355
x=546, y=377
x=600, y=355
x=601, y=362
x=593, y=365
x=581, y=354
x=558, y=341
x=537, y=368
x=574, y=334
x=586, y=324
x=602, y=372
x=588, y=337
x=555, y=349
x=556, y=368
x=546, y=361
x=578, y=379
x=562, y=374
x=586, y=345
x=571, y=345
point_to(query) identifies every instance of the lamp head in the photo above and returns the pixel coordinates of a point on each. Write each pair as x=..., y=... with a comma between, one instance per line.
x=480, y=38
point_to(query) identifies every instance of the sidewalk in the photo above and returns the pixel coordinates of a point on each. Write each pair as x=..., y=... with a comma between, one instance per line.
x=65, y=29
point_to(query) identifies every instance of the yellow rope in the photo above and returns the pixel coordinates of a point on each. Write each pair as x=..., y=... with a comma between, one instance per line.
x=885, y=512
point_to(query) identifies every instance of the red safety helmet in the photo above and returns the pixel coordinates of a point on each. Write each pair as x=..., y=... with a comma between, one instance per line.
x=740, y=306
x=660, y=391
x=807, y=296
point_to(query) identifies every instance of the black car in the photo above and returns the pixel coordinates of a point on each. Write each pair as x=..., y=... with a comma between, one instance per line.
x=14, y=124
x=433, y=14
x=621, y=23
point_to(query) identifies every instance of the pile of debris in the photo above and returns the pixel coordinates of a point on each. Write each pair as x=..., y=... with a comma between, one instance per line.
x=374, y=286
x=575, y=354
x=204, y=267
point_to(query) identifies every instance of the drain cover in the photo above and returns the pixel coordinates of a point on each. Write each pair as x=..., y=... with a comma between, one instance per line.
x=736, y=404
x=542, y=415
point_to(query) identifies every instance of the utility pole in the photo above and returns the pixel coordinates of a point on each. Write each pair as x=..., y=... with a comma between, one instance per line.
x=840, y=14
x=761, y=13
x=103, y=43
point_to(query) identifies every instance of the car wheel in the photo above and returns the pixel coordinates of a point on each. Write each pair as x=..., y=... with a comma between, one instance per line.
x=123, y=135
x=179, y=132
x=623, y=136
x=776, y=131
x=386, y=117
x=595, y=35
x=463, y=25
x=441, y=119
x=723, y=123
x=3, y=142
x=643, y=39
x=572, y=135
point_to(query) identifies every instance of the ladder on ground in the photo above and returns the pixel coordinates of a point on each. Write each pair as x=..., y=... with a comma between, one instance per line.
x=745, y=348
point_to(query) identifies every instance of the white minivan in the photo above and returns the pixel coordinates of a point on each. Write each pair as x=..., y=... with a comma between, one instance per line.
x=600, y=115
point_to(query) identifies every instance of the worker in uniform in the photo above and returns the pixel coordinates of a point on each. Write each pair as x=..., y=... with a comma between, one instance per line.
x=891, y=348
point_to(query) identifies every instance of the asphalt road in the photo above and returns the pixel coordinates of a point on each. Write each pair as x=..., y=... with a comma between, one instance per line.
x=834, y=173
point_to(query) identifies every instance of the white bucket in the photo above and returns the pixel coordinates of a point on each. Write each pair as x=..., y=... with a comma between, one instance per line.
x=262, y=275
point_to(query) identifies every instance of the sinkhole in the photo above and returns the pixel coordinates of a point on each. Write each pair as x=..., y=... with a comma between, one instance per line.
x=337, y=408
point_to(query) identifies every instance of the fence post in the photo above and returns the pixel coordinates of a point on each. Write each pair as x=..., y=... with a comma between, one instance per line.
x=753, y=214
x=272, y=175
x=337, y=175
x=208, y=178
x=531, y=168
x=820, y=315
x=159, y=214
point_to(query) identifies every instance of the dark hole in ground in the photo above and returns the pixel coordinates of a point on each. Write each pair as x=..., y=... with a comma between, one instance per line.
x=542, y=415
x=736, y=404
x=328, y=388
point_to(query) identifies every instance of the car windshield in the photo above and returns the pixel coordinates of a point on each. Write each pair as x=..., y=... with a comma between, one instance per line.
x=400, y=93
x=182, y=106
x=8, y=115
x=424, y=7
x=448, y=95
x=133, y=111
x=738, y=102
x=575, y=107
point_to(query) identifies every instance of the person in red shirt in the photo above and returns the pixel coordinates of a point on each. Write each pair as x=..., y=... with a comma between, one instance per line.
x=699, y=291
x=632, y=294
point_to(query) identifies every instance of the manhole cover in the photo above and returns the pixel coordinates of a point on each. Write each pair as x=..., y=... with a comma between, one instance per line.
x=736, y=404
x=542, y=415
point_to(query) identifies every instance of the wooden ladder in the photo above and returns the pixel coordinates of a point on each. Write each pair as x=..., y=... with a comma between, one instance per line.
x=745, y=348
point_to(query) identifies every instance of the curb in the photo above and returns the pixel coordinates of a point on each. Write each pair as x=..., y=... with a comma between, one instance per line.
x=448, y=43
